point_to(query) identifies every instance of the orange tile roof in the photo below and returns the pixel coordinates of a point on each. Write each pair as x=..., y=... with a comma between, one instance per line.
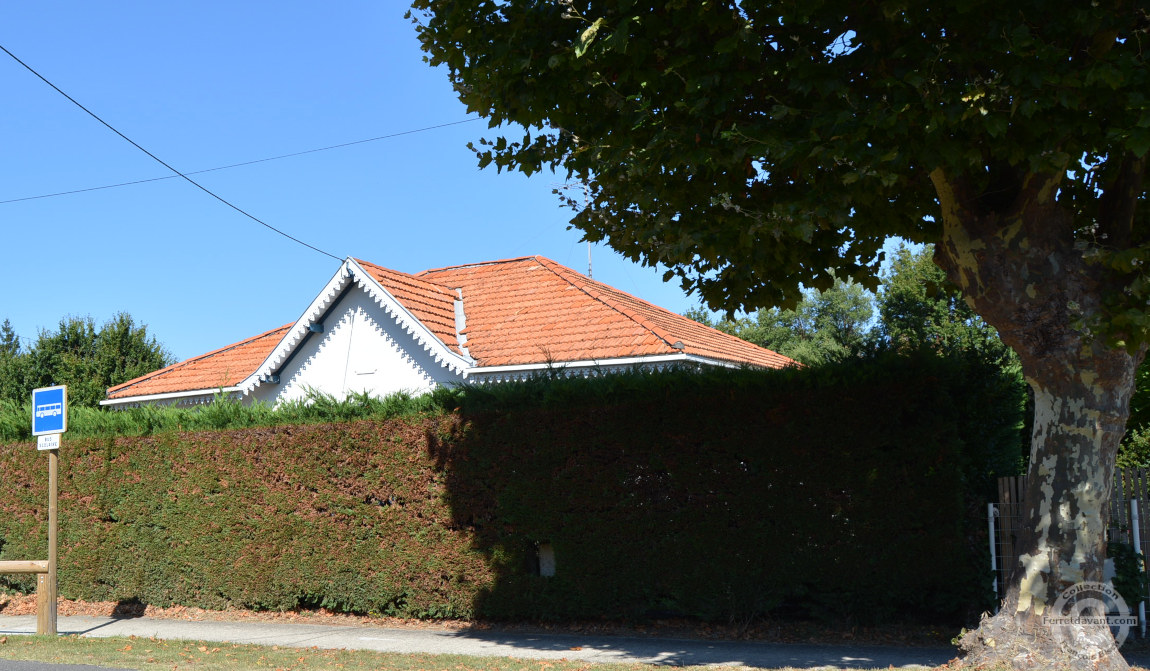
x=529, y=310
x=431, y=304
x=224, y=367
x=534, y=310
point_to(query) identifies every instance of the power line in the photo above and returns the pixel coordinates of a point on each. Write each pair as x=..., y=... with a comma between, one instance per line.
x=157, y=159
x=237, y=165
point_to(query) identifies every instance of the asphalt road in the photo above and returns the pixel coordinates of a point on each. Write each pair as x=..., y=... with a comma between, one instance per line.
x=590, y=648
x=663, y=651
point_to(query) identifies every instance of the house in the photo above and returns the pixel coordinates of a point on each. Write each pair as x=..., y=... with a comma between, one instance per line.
x=375, y=330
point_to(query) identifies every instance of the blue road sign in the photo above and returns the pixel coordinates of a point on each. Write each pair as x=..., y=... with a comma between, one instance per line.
x=49, y=410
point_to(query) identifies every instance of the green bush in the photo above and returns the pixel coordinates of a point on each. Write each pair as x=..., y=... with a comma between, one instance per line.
x=223, y=413
x=344, y=516
x=833, y=492
x=838, y=491
x=1129, y=577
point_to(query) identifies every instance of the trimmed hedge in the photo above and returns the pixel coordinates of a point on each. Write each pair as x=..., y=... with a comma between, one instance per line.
x=836, y=491
x=350, y=517
x=840, y=491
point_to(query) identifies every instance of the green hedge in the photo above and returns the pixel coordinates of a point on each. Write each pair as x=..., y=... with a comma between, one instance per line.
x=222, y=413
x=841, y=491
x=350, y=517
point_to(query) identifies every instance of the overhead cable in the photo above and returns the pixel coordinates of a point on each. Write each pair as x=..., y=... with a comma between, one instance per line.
x=237, y=165
x=158, y=160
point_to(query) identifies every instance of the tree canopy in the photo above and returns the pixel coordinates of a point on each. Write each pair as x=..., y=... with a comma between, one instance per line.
x=825, y=326
x=918, y=308
x=87, y=359
x=915, y=308
x=744, y=144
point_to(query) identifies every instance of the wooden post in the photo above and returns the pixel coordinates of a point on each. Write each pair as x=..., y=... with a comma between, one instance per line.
x=46, y=582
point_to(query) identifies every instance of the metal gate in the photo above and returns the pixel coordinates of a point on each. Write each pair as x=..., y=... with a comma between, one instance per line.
x=1127, y=524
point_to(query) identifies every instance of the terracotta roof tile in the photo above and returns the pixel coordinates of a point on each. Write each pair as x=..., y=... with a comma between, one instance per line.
x=532, y=310
x=224, y=367
x=518, y=311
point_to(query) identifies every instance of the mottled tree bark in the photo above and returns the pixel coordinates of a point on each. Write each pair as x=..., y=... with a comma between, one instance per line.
x=1021, y=270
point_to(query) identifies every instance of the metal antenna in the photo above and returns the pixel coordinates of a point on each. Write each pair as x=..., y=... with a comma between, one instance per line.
x=582, y=186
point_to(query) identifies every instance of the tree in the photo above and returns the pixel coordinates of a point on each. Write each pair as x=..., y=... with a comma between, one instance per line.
x=90, y=360
x=1135, y=449
x=123, y=350
x=11, y=368
x=750, y=145
x=919, y=308
x=825, y=326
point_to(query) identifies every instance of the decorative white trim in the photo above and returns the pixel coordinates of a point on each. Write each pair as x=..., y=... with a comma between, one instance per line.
x=206, y=393
x=589, y=367
x=349, y=272
x=439, y=351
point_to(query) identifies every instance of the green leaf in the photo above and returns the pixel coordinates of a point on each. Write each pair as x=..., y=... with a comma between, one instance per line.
x=621, y=36
x=1139, y=141
x=588, y=37
x=996, y=125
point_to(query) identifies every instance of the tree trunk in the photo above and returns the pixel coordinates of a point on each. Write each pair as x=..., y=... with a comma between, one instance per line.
x=1021, y=271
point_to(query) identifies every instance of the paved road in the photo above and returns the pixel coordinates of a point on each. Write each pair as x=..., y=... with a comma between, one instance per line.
x=663, y=651
x=673, y=652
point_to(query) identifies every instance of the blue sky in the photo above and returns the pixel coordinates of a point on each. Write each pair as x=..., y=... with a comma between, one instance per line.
x=206, y=84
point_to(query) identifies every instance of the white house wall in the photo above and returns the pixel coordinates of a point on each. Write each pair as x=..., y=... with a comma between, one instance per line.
x=361, y=349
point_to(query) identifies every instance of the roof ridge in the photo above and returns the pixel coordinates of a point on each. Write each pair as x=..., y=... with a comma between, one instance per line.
x=481, y=263
x=225, y=348
x=442, y=287
x=598, y=295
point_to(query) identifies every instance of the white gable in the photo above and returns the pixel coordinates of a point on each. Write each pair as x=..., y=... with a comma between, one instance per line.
x=354, y=337
x=357, y=348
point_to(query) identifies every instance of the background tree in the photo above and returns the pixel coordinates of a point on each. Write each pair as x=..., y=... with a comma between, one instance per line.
x=1135, y=449
x=914, y=308
x=919, y=308
x=87, y=359
x=750, y=145
x=825, y=326
x=11, y=365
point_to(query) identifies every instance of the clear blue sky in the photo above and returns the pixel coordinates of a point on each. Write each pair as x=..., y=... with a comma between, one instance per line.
x=206, y=84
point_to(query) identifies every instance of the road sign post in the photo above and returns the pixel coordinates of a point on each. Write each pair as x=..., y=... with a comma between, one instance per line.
x=49, y=422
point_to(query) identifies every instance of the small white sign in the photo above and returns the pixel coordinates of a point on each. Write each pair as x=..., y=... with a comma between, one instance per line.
x=48, y=442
